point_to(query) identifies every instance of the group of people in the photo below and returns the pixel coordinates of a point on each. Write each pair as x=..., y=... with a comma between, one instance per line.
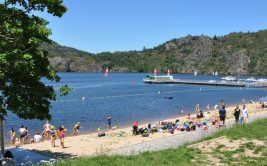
x=188, y=124
x=241, y=115
x=49, y=132
x=23, y=136
x=191, y=123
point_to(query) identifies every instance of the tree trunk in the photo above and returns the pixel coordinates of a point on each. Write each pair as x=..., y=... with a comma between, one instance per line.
x=2, y=137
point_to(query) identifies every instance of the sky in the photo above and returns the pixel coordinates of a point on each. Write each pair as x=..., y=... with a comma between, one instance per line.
x=121, y=25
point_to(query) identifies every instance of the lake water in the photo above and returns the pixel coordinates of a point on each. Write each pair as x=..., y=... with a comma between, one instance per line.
x=127, y=98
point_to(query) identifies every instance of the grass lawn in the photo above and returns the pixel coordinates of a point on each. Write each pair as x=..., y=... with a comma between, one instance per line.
x=250, y=149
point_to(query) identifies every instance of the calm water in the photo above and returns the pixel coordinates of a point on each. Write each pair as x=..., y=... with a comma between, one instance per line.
x=127, y=98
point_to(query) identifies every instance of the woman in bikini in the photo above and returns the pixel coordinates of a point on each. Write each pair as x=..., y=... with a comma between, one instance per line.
x=61, y=134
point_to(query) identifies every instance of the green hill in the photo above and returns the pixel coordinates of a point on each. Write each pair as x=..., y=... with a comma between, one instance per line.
x=235, y=53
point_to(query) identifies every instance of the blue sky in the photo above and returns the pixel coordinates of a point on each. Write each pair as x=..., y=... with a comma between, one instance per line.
x=121, y=25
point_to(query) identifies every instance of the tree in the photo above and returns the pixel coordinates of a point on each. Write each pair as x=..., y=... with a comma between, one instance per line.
x=22, y=63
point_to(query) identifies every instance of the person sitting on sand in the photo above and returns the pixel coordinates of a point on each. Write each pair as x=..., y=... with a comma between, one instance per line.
x=215, y=121
x=17, y=143
x=200, y=114
x=12, y=136
x=188, y=117
x=53, y=136
x=47, y=127
x=37, y=138
x=205, y=127
x=76, y=128
x=100, y=133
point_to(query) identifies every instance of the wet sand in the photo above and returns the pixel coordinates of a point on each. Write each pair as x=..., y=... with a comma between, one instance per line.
x=91, y=144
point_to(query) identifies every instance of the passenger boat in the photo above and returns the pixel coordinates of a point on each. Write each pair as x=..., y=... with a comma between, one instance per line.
x=158, y=79
x=229, y=78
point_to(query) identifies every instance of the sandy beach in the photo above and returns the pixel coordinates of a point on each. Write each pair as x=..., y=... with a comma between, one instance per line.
x=91, y=144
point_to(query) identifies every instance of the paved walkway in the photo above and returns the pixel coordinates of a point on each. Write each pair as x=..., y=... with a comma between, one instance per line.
x=174, y=141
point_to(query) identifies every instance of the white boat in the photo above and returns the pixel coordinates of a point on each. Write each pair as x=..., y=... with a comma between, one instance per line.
x=162, y=78
x=251, y=79
x=216, y=73
x=262, y=80
x=229, y=78
x=195, y=73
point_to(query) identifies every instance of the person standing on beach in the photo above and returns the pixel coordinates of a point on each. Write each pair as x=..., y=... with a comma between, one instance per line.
x=12, y=136
x=135, y=127
x=236, y=114
x=61, y=134
x=222, y=113
x=222, y=104
x=53, y=136
x=47, y=127
x=109, y=121
x=76, y=128
x=244, y=114
x=22, y=133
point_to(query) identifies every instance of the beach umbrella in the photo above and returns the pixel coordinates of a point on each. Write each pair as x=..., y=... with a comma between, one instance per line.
x=263, y=99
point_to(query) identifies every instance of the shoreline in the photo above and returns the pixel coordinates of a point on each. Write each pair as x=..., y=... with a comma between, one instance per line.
x=90, y=144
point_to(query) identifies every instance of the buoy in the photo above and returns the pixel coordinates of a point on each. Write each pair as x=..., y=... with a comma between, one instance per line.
x=158, y=92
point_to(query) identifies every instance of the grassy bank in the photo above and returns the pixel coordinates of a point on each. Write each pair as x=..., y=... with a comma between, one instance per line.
x=250, y=149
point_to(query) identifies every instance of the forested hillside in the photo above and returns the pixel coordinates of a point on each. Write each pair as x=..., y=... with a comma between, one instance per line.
x=236, y=53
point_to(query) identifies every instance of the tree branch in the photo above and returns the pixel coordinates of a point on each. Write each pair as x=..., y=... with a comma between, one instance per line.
x=6, y=37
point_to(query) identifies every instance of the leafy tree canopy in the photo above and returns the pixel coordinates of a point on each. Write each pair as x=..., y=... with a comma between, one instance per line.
x=22, y=63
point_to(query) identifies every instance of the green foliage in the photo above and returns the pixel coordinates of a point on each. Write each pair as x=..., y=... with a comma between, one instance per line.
x=22, y=63
x=181, y=156
x=65, y=90
x=184, y=156
x=181, y=55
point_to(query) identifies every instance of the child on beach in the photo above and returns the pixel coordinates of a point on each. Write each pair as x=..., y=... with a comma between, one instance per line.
x=76, y=128
x=53, y=136
x=61, y=135
x=12, y=136
x=17, y=143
